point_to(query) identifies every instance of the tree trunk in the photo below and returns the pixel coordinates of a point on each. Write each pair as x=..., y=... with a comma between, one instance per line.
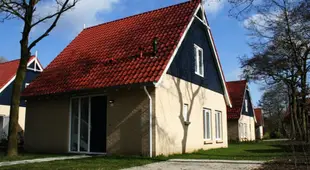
x=304, y=111
x=12, y=149
x=294, y=112
x=293, y=128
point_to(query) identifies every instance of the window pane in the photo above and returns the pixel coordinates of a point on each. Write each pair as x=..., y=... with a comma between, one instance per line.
x=74, y=124
x=84, y=124
x=200, y=62
x=196, y=59
x=204, y=124
x=218, y=125
x=208, y=125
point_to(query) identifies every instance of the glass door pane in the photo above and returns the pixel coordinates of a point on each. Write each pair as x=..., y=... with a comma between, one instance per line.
x=74, y=124
x=84, y=124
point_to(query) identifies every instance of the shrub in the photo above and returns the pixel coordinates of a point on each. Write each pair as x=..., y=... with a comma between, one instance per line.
x=275, y=135
x=266, y=135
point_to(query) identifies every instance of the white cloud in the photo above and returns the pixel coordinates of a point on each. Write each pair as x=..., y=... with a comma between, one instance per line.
x=213, y=6
x=234, y=75
x=85, y=12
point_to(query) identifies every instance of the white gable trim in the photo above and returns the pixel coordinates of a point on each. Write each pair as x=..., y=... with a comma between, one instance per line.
x=245, y=92
x=36, y=63
x=227, y=99
x=177, y=48
x=7, y=84
x=13, y=78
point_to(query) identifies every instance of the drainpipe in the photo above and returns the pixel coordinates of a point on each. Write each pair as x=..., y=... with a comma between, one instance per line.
x=150, y=114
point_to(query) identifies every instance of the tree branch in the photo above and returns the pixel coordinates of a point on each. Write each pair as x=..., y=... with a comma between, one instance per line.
x=64, y=7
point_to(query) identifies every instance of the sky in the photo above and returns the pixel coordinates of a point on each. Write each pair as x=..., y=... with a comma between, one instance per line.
x=229, y=34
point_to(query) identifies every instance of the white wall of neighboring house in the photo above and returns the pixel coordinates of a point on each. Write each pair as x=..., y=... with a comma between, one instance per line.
x=246, y=127
x=5, y=113
x=260, y=132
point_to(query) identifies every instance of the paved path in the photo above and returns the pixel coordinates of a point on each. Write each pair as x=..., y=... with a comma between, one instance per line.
x=180, y=164
x=9, y=163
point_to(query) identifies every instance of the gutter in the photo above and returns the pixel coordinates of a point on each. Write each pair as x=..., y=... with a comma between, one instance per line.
x=150, y=118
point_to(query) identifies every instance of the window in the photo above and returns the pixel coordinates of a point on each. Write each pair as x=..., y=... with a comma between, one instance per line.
x=218, y=125
x=245, y=131
x=185, y=112
x=241, y=131
x=199, y=70
x=26, y=84
x=207, y=124
x=246, y=105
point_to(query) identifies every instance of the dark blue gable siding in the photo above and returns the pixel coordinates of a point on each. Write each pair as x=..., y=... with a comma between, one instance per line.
x=5, y=96
x=183, y=65
x=250, y=106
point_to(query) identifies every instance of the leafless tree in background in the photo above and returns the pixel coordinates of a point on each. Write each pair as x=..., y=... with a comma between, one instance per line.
x=27, y=12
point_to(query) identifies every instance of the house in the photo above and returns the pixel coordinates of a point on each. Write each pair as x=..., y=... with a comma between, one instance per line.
x=148, y=84
x=259, y=126
x=7, y=77
x=241, y=119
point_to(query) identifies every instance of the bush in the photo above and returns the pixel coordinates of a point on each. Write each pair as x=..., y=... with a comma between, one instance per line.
x=266, y=135
x=275, y=135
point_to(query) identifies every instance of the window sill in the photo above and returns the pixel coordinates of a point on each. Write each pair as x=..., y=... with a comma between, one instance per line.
x=199, y=74
x=219, y=141
x=208, y=141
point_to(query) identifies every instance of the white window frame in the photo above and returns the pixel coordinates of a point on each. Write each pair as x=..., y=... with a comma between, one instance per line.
x=185, y=112
x=198, y=62
x=218, y=125
x=26, y=84
x=246, y=104
x=207, y=126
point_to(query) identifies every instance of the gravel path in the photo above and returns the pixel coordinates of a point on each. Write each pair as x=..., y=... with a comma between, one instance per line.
x=197, y=165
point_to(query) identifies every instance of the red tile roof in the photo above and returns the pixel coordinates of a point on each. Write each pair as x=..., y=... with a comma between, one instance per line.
x=109, y=54
x=259, y=116
x=8, y=71
x=236, y=90
x=117, y=53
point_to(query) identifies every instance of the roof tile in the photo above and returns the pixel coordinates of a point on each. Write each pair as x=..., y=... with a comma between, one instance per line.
x=108, y=54
x=236, y=91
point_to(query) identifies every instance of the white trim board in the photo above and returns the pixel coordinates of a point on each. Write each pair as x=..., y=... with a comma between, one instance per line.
x=227, y=98
x=28, y=64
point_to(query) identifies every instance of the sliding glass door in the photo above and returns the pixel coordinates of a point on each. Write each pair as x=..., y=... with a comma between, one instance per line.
x=88, y=124
x=80, y=124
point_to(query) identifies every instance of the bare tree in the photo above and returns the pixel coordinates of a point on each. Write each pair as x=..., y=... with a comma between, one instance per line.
x=3, y=59
x=280, y=40
x=26, y=11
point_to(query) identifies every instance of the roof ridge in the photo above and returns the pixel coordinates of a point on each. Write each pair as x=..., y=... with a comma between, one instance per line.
x=9, y=61
x=17, y=60
x=121, y=19
x=236, y=81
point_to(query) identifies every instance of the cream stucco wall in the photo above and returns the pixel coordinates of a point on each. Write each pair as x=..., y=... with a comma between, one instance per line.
x=5, y=111
x=47, y=125
x=170, y=96
x=250, y=128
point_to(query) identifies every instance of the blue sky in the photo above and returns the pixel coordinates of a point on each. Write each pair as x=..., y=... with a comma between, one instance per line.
x=229, y=34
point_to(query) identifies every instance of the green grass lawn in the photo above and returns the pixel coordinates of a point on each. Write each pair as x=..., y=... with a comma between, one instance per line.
x=24, y=156
x=243, y=151
x=98, y=162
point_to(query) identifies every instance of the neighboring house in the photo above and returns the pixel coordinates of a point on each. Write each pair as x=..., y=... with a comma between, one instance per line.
x=259, y=126
x=241, y=119
x=148, y=84
x=7, y=77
